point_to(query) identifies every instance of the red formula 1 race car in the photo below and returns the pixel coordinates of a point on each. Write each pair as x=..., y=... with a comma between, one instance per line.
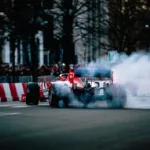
x=84, y=86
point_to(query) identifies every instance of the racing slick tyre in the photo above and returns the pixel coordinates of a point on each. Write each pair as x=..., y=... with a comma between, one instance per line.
x=116, y=96
x=60, y=95
x=57, y=101
x=32, y=95
x=86, y=97
x=54, y=101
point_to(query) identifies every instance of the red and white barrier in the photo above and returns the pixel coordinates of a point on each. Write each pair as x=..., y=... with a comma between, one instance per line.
x=12, y=91
x=44, y=85
x=15, y=91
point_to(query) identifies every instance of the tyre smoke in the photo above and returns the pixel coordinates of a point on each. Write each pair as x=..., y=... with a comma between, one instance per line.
x=134, y=73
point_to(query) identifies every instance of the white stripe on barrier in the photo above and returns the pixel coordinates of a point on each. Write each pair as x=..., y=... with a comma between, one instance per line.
x=19, y=89
x=42, y=85
x=7, y=92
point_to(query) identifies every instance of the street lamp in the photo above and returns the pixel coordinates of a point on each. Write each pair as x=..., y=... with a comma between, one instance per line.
x=146, y=26
x=147, y=32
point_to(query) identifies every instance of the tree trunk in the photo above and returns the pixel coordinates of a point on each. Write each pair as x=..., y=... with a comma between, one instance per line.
x=34, y=52
x=67, y=44
x=12, y=42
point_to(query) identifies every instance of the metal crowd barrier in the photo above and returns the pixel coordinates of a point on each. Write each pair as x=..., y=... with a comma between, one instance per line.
x=22, y=79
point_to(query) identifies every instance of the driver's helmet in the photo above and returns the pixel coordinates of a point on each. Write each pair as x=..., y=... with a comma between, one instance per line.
x=71, y=70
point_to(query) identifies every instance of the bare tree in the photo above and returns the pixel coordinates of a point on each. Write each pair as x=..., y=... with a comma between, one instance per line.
x=86, y=15
x=127, y=27
x=24, y=25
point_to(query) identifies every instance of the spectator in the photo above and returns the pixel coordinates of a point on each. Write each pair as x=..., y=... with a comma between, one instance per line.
x=24, y=70
x=55, y=70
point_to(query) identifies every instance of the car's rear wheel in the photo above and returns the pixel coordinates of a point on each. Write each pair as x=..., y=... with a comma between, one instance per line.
x=116, y=96
x=58, y=102
x=54, y=100
x=60, y=95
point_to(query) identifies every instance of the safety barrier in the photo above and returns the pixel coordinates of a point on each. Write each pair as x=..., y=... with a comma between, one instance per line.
x=12, y=91
x=17, y=91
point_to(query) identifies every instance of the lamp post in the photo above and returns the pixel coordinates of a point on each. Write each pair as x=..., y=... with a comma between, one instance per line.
x=147, y=32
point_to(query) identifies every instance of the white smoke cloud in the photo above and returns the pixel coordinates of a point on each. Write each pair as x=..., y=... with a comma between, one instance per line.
x=134, y=72
x=135, y=69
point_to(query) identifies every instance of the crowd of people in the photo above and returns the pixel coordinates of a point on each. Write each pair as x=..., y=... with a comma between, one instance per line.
x=25, y=70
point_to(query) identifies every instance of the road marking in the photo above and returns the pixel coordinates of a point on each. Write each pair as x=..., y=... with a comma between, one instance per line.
x=8, y=114
x=5, y=105
x=19, y=106
x=14, y=105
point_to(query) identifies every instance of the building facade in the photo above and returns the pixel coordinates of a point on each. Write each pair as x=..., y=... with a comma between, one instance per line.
x=91, y=42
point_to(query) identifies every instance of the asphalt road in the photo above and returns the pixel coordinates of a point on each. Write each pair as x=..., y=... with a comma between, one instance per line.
x=43, y=128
